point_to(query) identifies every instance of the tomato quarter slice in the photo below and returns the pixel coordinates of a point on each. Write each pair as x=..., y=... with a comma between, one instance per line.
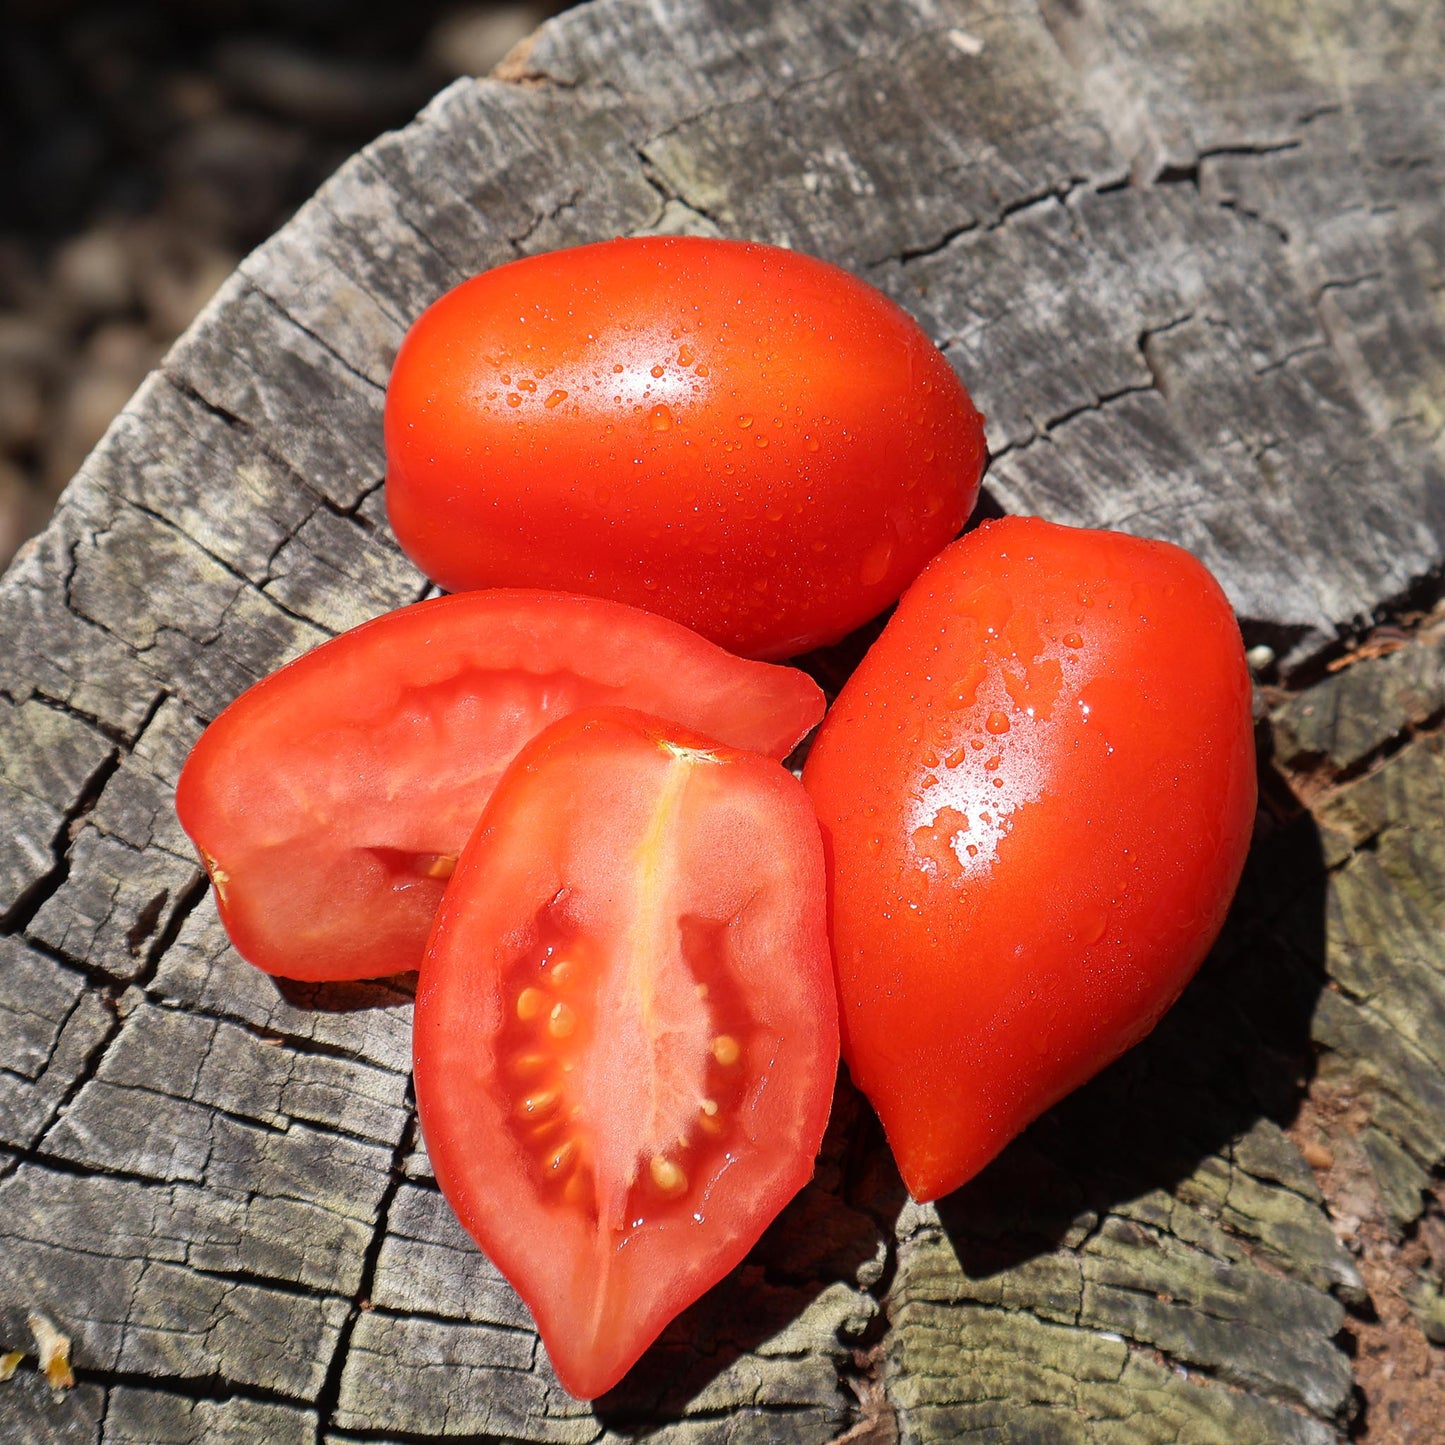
x=330, y=800
x=626, y=1034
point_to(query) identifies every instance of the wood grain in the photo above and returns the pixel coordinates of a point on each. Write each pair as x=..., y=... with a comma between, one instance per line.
x=1190, y=259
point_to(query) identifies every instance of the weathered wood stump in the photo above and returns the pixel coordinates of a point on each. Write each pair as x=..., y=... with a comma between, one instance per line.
x=1191, y=261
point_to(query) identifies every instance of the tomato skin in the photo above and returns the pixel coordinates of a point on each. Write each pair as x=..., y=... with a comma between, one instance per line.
x=662, y=896
x=1109, y=827
x=748, y=440
x=329, y=801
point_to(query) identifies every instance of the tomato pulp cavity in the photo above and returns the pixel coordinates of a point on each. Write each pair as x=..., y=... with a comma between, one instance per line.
x=329, y=802
x=748, y=440
x=1037, y=793
x=625, y=1030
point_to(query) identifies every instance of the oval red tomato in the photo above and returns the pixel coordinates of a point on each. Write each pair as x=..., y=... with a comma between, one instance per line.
x=1037, y=793
x=625, y=1030
x=747, y=440
x=330, y=800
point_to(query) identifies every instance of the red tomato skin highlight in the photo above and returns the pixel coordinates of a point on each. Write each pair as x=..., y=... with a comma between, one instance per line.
x=577, y=858
x=1017, y=897
x=329, y=801
x=748, y=440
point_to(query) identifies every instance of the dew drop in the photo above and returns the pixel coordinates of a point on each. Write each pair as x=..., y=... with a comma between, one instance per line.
x=745, y=420
x=659, y=371
x=1073, y=639
x=661, y=418
x=556, y=399
x=997, y=722
x=513, y=399
x=876, y=561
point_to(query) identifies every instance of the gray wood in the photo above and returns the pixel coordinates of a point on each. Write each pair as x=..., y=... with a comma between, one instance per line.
x=1190, y=260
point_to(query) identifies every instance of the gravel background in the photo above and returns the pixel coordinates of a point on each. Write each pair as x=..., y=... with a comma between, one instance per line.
x=145, y=148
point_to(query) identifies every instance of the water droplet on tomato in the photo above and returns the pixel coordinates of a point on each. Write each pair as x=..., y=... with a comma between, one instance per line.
x=659, y=370
x=997, y=722
x=745, y=420
x=1072, y=639
x=556, y=399
x=661, y=418
x=513, y=399
x=684, y=355
x=876, y=561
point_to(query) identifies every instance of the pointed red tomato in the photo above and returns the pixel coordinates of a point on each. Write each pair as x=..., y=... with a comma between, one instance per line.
x=1037, y=793
x=330, y=800
x=626, y=1034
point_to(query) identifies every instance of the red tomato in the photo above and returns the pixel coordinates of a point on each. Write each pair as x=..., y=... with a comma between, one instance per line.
x=747, y=440
x=626, y=1035
x=329, y=801
x=1037, y=793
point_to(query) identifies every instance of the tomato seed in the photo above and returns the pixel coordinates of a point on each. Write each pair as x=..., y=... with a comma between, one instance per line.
x=542, y=1102
x=667, y=1174
x=726, y=1050
x=531, y=1003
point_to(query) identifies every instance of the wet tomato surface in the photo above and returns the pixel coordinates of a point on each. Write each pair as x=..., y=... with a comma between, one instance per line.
x=745, y=439
x=1037, y=792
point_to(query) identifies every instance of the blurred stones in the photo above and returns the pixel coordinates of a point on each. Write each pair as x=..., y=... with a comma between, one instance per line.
x=30, y=357
x=475, y=39
x=233, y=174
x=112, y=364
x=326, y=92
x=92, y=273
x=149, y=147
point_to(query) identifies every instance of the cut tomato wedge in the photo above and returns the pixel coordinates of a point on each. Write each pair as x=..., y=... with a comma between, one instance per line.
x=330, y=800
x=626, y=1035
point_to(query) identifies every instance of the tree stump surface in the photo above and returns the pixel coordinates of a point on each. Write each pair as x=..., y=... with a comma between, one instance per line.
x=1190, y=259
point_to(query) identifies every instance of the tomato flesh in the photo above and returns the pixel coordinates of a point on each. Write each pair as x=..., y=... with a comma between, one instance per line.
x=329, y=801
x=625, y=1031
x=1037, y=792
x=740, y=437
